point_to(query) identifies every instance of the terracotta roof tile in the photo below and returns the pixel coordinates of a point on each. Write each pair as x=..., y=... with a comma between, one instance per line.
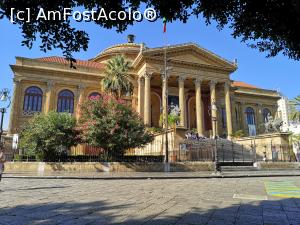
x=62, y=60
x=242, y=84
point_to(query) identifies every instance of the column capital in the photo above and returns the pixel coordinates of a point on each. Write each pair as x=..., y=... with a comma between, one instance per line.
x=148, y=75
x=163, y=77
x=181, y=78
x=81, y=87
x=17, y=80
x=50, y=84
x=198, y=80
x=227, y=84
x=274, y=106
x=212, y=83
x=140, y=80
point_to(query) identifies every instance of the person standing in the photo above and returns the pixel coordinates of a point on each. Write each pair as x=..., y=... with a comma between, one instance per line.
x=2, y=161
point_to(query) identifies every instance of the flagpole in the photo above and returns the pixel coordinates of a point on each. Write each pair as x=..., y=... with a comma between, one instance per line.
x=167, y=94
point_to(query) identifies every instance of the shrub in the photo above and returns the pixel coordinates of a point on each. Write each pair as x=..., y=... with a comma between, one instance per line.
x=106, y=122
x=49, y=135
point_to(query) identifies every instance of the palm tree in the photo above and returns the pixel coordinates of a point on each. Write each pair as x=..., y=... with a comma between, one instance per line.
x=295, y=109
x=295, y=138
x=117, y=80
x=295, y=141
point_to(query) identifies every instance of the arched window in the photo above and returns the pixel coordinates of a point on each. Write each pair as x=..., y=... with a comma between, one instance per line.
x=250, y=115
x=94, y=95
x=65, y=102
x=33, y=99
x=223, y=114
x=266, y=113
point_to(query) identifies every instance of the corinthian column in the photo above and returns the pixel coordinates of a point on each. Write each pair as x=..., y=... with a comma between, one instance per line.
x=80, y=100
x=260, y=118
x=181, y=100
x=147, y=105
x=228, y=109
x=15, y=107
x=141, y=85
x=199, y=110
x=49, y=91
x=213, y=100
x=164, y=98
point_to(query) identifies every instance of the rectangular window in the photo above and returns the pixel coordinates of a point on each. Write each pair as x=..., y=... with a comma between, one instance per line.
x=173, y=100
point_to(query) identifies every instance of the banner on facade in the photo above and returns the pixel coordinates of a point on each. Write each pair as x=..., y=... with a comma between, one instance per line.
x=252, y=130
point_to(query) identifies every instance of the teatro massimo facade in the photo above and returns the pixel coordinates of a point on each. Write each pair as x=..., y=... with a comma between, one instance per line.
x=197, y=79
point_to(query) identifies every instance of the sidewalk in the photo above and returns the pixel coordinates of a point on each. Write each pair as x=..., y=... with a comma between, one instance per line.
x=155, y=175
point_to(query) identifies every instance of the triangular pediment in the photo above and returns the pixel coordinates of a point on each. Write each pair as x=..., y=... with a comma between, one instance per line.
x=190, y=53
x=193, y=57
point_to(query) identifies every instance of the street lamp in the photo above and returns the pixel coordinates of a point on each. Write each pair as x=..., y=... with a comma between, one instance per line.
x=165, y=76
x=4, y=105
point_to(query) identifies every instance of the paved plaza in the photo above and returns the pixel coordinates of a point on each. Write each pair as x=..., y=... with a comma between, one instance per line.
x=244, y=201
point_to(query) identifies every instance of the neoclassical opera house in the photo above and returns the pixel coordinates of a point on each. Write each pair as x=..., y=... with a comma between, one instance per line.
x=197, y=79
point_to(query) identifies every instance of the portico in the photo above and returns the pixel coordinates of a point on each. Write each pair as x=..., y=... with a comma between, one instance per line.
x=199, y=84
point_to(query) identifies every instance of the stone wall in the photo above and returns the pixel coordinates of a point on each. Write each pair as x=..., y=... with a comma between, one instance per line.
x=90, y=167
x=42, y=168
x=278, y=165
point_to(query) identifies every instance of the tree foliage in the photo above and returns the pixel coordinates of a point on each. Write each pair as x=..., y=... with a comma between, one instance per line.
x=268, y=25
x=106, y=122
x=117, y=80
x=295, y=138
x=49, y=135
x=237, y=134
x=294, y=113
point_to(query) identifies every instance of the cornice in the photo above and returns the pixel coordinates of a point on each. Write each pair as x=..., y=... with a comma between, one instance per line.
x=52, y=72
x=189, y=65
x=256, y=94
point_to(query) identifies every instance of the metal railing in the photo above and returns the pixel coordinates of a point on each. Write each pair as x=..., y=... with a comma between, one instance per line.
x=227, y=151
x=89, y=158
x=188, y=150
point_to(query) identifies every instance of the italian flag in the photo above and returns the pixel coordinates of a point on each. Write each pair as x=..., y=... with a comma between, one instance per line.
x=165, y=24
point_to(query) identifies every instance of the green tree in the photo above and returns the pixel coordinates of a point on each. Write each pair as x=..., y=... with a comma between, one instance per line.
x=237, y=134
x=117, y=80
x=107, y=123
x=295, y=139
x=49, y=135
x=268, y=25
x=295, y=109
x=172, y=120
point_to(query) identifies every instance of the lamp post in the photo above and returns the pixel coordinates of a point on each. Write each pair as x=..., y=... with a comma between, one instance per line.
x=4, y=105
x=165, y=95
x=214, y=110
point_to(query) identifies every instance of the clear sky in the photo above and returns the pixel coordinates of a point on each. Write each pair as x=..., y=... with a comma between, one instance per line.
x=279, y=73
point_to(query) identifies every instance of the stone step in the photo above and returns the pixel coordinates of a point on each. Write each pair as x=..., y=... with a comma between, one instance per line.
x=238, y=168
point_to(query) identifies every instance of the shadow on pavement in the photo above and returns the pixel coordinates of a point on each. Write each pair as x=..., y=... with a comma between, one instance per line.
x=268, y=212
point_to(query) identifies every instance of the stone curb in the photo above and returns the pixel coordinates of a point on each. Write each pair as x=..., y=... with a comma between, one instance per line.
x=149, y=177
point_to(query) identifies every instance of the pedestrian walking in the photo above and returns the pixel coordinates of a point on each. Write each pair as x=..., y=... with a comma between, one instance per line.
x=2, y=161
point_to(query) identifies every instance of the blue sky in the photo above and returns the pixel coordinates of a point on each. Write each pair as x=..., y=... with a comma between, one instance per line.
x=279, y=73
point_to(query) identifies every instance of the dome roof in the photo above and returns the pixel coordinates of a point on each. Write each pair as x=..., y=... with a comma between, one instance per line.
x=126, y=48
